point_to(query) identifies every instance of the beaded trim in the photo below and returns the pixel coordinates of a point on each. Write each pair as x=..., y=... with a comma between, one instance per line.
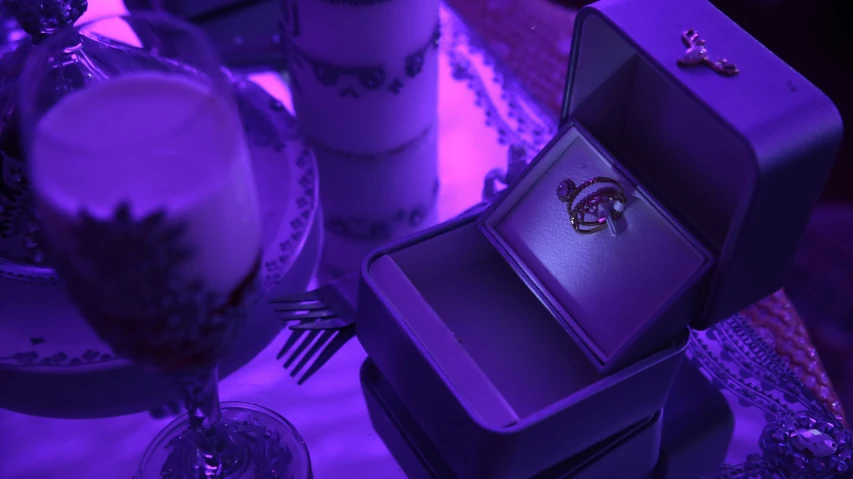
x=774, y=317
x=369, y=78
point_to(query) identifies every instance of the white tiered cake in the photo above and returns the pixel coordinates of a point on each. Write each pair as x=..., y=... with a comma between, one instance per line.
x=364, y=72
x=364, y=81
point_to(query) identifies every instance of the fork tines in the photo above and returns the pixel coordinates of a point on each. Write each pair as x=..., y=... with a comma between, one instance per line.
x=317, y=344
x=306, y=306
x=320, y=324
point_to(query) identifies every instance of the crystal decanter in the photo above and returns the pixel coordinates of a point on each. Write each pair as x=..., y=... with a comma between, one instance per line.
x=22, y=252
x=10, y=31
x=22, y=255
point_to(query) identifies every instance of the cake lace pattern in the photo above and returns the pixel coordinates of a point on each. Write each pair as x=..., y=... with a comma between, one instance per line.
x=383, y=229
x=269, y=125
x=125, y=276
x=507, y=108
x=356, y=81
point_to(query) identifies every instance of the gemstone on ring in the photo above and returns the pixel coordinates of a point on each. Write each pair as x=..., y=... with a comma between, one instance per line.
x=565, y=190
x=607, y=202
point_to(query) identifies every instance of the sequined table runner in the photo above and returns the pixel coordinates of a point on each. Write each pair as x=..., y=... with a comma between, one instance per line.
x=821, y=284
x=532, y=40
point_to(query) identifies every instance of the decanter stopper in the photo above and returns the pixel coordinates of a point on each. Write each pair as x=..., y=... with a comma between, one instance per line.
x=40, y=18
x=10, y=32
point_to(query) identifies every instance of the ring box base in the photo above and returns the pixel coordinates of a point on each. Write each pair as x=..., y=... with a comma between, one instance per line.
x=498, y=396
x=698, y=425
x=629, y=454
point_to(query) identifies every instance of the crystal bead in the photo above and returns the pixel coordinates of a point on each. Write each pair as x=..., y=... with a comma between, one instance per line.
x=810, y=381
x=812, y=366
x=695, y=55
x=837, y=465
x=799, y=461
x=804, y=421
x=766, y=335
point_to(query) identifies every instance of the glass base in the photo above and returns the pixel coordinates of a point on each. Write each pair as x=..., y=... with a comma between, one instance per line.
x=252, y=442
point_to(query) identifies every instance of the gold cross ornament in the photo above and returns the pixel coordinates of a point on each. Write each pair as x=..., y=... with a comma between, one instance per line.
x=697, y=54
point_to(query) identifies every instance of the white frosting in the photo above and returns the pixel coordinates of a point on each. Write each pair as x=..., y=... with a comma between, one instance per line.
x=381, y=34
x=155, y=141
x=385, y=189
x=375, y=122
x=380, y=188
x=363, y=34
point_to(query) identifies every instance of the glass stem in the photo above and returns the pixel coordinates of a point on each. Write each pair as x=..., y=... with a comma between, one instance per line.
x=201, y=396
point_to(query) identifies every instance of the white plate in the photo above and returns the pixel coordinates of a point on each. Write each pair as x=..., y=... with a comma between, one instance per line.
x=51, y=362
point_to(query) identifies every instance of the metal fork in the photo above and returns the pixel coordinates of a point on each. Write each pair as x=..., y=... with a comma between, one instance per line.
x=324, y=322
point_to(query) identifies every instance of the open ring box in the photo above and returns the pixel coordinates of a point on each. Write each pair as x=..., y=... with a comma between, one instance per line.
x=516, y=342
x=635, y=448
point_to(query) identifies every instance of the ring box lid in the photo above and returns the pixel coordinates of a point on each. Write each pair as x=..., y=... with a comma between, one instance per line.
x=738, y=161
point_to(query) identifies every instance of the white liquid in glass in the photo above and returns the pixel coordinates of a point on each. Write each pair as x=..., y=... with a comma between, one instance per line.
x=156, y=142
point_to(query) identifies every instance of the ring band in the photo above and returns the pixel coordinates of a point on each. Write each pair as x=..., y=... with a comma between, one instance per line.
x=579, y=207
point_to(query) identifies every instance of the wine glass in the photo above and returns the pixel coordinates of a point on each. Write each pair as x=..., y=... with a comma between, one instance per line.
x=144, y=189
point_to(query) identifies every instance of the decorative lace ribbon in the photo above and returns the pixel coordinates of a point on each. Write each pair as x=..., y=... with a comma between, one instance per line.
x=776, y=320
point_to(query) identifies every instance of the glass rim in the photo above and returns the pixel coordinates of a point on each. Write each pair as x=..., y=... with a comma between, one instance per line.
x=183, y=418
x=42, y=48
x=154, y=16
x=39, y=58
